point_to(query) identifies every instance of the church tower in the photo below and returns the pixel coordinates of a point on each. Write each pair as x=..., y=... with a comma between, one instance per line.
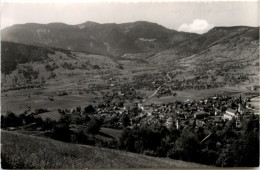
x=240, y=106
x=239, y=112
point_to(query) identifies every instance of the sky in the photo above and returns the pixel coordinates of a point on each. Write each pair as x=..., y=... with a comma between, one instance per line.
x=196, y=17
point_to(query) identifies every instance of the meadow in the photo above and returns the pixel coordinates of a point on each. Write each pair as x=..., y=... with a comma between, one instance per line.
x=200, y=94
x=115, y=133
x=55, y=154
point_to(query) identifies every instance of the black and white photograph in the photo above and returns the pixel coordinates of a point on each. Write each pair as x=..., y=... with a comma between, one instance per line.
x=129, y=84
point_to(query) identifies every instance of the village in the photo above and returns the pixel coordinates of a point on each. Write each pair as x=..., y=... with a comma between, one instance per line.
x=119, y=95
x=208, y=113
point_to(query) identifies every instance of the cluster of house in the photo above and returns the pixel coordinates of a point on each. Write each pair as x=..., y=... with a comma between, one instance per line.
x=206, y=113
x=210, y=112
x=213, y=111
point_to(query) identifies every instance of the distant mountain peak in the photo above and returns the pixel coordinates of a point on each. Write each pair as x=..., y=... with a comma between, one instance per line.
x=88, y=24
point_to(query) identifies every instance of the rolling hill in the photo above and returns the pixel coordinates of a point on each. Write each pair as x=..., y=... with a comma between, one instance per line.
x=224, y=36
x=55, y=154
x=13, y=54
x=214, y=36
x=229, y=54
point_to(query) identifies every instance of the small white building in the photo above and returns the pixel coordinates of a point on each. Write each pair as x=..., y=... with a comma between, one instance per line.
x=229, y=114
x=169, y=122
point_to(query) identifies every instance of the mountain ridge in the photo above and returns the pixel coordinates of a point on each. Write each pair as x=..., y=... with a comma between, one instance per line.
x=119, y=39
x=109, y=39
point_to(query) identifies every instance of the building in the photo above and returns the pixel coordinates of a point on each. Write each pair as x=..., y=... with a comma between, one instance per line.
x=229, y=114
x=169, y=122
x=217, y=111
x=240, y=107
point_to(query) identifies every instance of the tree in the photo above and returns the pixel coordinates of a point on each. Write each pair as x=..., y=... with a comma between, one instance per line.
x=93, y=126
x=223, y=159
x=61, y=129
x=187, y=147
x=243, y=145
x=61, y=132
x=127, y=141
x=78, y=109
x=48, y=124
x=164, y=147
x=96, y=67
x=125, y=120
x=11, y=120
x=89, y=109
x=80, y=137
x=120, y=67
x=120, y=104
x=251, y=124
x=250, y=150
x=3, y=124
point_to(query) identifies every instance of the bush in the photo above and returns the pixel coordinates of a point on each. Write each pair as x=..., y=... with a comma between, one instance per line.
x=96, y=67
x=51, y=68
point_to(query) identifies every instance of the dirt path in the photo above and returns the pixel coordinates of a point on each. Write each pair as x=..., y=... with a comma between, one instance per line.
x=170, y=79
x=140, y=104
x=155, y=91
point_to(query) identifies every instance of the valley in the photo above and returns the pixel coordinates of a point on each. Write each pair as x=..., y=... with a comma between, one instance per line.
x=108, y=85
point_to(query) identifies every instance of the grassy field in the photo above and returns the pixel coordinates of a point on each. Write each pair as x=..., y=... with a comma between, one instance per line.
x=18, y=101
x=23, y=151
x=72, y=81
x=255, y=102
x=199, y=94
x=116, y=134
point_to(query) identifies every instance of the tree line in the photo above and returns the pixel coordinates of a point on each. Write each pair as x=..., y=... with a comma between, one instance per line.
x=225, y=147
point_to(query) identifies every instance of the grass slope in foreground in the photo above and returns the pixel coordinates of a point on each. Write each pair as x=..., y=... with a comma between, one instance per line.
x=22, y=151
